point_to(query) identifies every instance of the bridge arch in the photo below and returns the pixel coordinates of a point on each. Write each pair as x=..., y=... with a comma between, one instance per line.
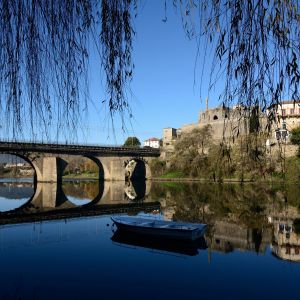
x=137, y=169
x=33, y=162
x=103, y=169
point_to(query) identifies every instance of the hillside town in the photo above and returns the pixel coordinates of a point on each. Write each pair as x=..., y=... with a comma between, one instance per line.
x=225, y=122
x=231, y=142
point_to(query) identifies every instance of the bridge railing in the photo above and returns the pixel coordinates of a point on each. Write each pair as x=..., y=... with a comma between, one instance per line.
x=73, y=148
x=42, y=142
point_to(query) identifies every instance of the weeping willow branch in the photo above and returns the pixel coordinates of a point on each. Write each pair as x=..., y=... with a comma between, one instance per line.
x=116, y=43
x=44, y=51
x=44, y=54
x=43, y=57
x=256, y=46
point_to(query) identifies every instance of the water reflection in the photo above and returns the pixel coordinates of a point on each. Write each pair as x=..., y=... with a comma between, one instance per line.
x=249, y=218
x=48, y=196
x=246, y=225
x=83, y=192
x=135, y=190
x=241, y=218
x=14, y=194
x=286, y=241
x=160, y=245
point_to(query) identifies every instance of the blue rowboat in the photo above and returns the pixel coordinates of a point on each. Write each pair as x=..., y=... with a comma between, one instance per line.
x=160, y=228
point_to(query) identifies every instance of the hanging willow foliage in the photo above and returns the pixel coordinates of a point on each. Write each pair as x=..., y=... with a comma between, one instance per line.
x=44, y=53
x=256, y=46
x=256, y=50
x=116, y=44
x=44, y=50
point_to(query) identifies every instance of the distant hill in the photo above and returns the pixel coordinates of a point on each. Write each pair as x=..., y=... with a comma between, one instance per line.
x=7, y=158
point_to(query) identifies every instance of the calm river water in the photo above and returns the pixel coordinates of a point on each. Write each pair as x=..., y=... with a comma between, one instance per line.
x=251, y=248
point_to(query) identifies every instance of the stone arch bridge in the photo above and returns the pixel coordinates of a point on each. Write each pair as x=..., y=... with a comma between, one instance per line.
x=115, y=163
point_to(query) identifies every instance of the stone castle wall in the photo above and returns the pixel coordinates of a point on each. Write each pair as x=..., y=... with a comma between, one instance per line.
x=229, y=123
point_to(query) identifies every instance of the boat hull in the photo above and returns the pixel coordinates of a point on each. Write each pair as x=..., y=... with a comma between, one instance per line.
x=170, y=233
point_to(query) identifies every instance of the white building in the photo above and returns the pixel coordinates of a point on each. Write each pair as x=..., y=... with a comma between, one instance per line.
x=287, y=116
x=152, y=142
x=16, y=165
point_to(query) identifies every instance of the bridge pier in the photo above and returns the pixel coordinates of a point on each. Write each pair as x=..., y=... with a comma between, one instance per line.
x=113, y=168
x=49, y=169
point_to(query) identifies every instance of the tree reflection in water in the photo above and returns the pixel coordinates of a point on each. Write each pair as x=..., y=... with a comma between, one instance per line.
x=241, y=217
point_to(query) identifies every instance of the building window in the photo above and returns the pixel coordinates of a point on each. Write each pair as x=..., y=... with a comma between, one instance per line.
x=283, y=112
x=292, y=111
x=281, y=134
x=216, y=117
x=278, y=134
x=284, y=125
x=284, y=134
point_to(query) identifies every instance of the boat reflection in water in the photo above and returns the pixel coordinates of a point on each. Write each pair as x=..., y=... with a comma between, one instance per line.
x=190, y=248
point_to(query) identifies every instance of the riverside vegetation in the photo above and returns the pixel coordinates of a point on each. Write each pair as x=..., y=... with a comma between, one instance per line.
x=245, y=159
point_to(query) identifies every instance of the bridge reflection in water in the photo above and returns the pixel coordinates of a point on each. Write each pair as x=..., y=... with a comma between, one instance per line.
x=55, y=201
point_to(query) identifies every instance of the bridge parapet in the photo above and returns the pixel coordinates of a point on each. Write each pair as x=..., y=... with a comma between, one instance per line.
x=77, y=149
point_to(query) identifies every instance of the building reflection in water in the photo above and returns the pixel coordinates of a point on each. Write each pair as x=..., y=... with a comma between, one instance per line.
x=286, y=241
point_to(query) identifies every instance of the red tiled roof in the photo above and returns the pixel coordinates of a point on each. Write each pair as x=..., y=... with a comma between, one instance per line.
x=153, y=139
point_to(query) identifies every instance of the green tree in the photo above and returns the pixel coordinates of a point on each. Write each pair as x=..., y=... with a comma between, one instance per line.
x=191, y=152
x=158, y=167
x=199, y=139
x=132, y=141
x=295, y=136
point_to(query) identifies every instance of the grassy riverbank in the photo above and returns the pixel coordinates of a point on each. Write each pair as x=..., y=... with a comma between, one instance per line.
x=290, y=173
